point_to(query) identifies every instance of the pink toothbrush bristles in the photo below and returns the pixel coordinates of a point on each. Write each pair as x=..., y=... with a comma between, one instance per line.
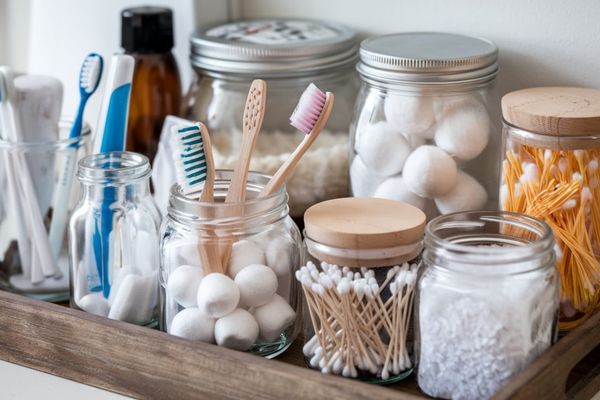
x=309, y=109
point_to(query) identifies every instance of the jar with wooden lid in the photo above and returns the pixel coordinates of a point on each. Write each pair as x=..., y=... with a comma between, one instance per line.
x=358, y=285
x=550, y=171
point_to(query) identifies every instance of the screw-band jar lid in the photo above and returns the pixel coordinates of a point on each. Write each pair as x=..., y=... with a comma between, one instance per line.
x=273, y=47
x=428, y=57
x=369, y=232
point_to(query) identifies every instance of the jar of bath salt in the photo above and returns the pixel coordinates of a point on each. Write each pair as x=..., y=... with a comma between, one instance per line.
x=359, y=284
x=487, y=302
x=288, y=54
x=113, y=239
x=227, y=269
x=423, y=132
x=550, y=171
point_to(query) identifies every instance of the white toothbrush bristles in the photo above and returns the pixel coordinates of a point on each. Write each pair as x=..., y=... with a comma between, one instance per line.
x=190, y=159
x=90, y=73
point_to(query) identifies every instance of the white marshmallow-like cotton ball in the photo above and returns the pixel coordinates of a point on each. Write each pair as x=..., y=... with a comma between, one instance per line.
x=273, y=318
x=193, y=324
x=183, y=285
x=429, y=172
x=383, y=148
x=412, y=115
x=257, y=284
x=394, y=188
x=363, y=180
x=464, y=129
x=183, y=252
x=466, y=195
x=135, y=300
x=218, y=295
x=279, y=255
x=237, y=330
x=243, y=253
x=94, y=303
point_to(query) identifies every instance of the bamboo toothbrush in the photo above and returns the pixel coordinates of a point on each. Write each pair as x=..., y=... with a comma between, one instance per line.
x=310, y=116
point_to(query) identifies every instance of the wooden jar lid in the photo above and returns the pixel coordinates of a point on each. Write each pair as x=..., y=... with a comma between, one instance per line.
x=557, y=111
x=359, y=223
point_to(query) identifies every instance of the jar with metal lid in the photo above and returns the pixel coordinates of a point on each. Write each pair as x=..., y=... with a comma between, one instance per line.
x=289, y=54
x=487, y=302
x=359, y=284
x=244, y=301
x=422, y=131
x=550, y=171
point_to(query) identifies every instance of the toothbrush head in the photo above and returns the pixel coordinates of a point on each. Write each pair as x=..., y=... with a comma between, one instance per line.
x=190, y=158
x=309, y=109
x=90, y=74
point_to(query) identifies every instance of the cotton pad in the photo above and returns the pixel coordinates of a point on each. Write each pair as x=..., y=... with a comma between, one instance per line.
x=466, y=195
x=243, y=253
x=411, y=115
x=94, y=303
x=135, y=300
x=394, y=188
x=273, y=318
x=429, y=172
x=238, y=330
x=383, y=148
x=193, y=324
x=257, y=284
x=363, y=180
x=218, y=295
x=183, y=285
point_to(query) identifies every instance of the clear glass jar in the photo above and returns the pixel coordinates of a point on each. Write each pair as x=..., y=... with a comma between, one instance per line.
x=45, y=161
x=487, y=302
x=256, y=308
x=550, y=171
x=359, y=285
x=289, y=55
x=113, y=239
x=423, y=131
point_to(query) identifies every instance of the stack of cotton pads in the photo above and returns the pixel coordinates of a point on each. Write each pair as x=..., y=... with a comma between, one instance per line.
x=249, y=305
x=415, y=154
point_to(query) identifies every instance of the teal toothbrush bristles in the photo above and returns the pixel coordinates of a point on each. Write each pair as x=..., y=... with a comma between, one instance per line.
x=190, y=159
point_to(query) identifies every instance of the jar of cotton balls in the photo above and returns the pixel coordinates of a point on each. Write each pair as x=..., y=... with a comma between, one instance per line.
x=359, y=285
x=114, y=238
x=422, y=131
x=487, y=302
x=227, y=269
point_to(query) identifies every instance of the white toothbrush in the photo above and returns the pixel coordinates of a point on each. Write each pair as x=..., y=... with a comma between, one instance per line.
x=89, y=79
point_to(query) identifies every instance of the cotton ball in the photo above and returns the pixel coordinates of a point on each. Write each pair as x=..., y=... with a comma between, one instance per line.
x=464, y=129
x=412, y=115
x=183, y=252
x=183, y=285
x=94, y=303
x=279, y=255
x=193, y=324
x=429, y=172
x=394, y=188
x=363, y=180
x=218, y=295
x=383, y=148
x=466, y=195
x=237, y=330
x=273, y=318
x=243, y=253
x=257, y=284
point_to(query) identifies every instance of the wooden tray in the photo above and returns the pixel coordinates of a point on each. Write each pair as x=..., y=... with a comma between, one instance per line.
x=145, y=363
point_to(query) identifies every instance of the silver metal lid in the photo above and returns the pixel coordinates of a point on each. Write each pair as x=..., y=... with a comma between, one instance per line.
x=428, y=57
x=273, y=47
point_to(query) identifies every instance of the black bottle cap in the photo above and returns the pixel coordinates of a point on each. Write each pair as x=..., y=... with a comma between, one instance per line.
x=147, y=29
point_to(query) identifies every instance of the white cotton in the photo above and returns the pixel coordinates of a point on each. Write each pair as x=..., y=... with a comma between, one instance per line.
x=243, y=253
x=146, y=252
x=394, y=188
x=193, y=324
x=135, y=300
x=412, y=115
x=530, y=173
x=429, y=172
x=363, y=180
x=273, y=318
x=383, y=148
x=218, y=295
x=94, y=303
x=182, y=252
x=237, y=330
x=279, y=254
x=257, y=284
x=466, y=195
x=183, y=284
x=464, y=129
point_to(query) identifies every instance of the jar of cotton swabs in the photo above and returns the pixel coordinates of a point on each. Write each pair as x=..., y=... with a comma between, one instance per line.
x=359, y=285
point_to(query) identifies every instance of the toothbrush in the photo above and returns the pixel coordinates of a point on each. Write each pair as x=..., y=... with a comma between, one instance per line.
x=310, y=116
x=89, y=79
x=112, y=126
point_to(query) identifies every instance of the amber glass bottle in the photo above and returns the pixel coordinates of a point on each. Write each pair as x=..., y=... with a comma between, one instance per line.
x=147, y=35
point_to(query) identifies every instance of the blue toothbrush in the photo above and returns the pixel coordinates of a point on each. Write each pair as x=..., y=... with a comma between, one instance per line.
x=113, y=132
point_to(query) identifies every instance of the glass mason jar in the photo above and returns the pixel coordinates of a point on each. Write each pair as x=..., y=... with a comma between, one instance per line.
x=423, y=132
x=487, y=302
x=26, y=267
x=249, y=304
x=289, y=54
x=359, y=284
x=113, y=239
x=550, y=171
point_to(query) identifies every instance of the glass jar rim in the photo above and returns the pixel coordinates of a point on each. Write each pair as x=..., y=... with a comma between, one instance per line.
x=115, y=167
x=58, y=144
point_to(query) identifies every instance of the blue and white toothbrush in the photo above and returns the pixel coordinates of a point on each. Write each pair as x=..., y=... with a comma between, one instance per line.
x=112, y=128
x=89, y=79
